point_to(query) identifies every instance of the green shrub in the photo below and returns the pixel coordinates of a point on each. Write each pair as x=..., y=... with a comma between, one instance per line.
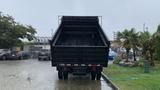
x=117, y=60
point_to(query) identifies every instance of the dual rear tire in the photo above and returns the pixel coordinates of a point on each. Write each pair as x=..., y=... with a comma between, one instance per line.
x=60, y=75
x=63, y=75
x=98, y=77
x=95, y=75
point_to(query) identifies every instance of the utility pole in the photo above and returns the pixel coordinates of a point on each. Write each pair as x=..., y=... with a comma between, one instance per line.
x=144, y=25
x=145, y=28
x=100, y=20
x=51, y=32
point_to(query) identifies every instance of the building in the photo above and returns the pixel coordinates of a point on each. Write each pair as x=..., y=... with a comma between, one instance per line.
x=37, y=44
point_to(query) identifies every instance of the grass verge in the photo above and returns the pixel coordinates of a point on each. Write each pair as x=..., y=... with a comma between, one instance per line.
x=134, y=78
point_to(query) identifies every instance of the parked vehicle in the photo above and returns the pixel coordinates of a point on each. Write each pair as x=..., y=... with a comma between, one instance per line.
x=112, y=55
x=13, y=56
x=7, y=54
x=79, y=47
x=23, y=55
x=4, y=53
x=44, y=54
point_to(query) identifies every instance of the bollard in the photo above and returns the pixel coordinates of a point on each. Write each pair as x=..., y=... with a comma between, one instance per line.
x=146, y=66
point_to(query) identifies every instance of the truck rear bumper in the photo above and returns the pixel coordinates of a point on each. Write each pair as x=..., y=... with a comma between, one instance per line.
x=80, y=70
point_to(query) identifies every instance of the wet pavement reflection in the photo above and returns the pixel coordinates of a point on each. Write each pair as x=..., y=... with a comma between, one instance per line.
x=39, y=75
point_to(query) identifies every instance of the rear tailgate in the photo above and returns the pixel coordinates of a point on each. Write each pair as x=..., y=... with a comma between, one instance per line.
x=80, y=55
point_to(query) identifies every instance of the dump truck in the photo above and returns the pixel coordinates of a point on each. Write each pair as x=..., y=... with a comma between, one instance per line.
x=79, y=47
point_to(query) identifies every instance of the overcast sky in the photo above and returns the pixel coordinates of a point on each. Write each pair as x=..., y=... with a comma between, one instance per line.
x=117, y=14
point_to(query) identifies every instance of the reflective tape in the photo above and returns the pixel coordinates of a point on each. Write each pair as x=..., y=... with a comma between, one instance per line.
x=68, y=64
x=75, y=64
x=83, y=65
x=79, y=64
x=61, y=64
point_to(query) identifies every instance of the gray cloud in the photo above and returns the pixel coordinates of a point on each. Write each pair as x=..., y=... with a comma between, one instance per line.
x=117, y=14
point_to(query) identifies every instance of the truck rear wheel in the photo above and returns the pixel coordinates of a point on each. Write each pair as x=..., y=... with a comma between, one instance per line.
x=60, y=75
x=65, y=75
x=93, y=75
x=98, y=77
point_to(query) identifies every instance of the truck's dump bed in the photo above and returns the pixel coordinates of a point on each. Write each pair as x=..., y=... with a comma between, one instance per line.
x=79, y=40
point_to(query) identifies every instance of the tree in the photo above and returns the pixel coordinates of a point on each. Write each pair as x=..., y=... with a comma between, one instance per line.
x=130, y=40
x=143, y=38
x=148, y=46
x=157, y=38
x=12, y=32
x=134, y=39
x=124, y=38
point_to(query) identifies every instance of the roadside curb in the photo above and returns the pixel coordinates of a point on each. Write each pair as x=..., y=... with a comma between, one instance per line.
x=114, y=87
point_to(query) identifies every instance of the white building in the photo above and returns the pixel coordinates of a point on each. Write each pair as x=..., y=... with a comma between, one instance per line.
x=37, y=44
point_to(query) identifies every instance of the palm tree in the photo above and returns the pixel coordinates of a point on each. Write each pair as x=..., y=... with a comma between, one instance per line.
x=156, y=36
x=147, y=42
x=143, y=39
x=124, y=39
x=134, y=38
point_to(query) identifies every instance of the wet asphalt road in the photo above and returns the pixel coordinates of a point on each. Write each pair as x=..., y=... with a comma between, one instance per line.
x=39, y=75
